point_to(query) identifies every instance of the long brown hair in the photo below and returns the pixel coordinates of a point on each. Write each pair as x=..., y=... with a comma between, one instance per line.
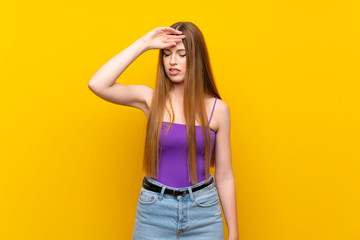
x=198, y=80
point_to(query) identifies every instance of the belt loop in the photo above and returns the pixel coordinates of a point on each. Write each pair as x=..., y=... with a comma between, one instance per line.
x=162, y=192
x=191, y=194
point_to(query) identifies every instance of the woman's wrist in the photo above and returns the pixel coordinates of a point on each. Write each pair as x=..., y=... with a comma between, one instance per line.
x=142, y=44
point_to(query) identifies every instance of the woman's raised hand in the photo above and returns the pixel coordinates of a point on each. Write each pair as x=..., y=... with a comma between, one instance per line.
x=160, y=38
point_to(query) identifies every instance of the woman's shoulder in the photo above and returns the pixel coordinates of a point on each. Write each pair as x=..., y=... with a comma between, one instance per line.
x=220, y=104
x=221, y=110
x=220, y=114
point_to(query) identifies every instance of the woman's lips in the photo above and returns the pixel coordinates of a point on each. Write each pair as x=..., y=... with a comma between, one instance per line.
x=174, y=72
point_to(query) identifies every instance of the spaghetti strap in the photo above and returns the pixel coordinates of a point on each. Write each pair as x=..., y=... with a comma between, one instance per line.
x=212, y=110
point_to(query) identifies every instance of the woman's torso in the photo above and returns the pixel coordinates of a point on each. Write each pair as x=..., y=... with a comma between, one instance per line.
x=173, y=170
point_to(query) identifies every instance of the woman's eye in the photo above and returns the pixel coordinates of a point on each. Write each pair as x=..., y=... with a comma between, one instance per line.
x=166, y=55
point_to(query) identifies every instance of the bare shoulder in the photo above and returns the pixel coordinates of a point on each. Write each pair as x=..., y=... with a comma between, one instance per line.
x=222, y=106
x=221, y=115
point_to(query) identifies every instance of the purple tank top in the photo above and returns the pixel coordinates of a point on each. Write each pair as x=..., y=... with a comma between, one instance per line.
x=173, y=157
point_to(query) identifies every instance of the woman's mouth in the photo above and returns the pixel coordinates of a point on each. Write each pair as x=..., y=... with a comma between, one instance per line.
x=174, y=72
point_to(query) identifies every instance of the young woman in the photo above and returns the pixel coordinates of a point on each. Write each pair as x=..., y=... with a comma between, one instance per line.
x=179, y=198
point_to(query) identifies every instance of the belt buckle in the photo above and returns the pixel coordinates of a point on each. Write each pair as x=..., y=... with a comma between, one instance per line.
x=182, y=192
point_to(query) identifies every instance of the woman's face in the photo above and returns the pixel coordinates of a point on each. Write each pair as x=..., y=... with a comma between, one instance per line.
x=175, y=57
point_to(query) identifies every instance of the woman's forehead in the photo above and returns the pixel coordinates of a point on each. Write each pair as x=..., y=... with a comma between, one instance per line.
x=178, y=47
x=175, y=50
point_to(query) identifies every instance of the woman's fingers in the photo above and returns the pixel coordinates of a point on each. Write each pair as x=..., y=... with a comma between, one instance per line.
x=170, y=29
x=170, y=43
x=174, y=41
x=172, y=38
x=175, y=36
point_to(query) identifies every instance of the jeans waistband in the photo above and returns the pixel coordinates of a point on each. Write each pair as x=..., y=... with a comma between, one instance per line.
x=190, y=194
x=183, y=188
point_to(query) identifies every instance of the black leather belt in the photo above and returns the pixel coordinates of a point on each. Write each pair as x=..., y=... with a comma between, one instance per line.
x=152, y=187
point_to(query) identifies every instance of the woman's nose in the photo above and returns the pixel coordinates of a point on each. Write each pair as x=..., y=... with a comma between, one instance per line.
x=173, y=59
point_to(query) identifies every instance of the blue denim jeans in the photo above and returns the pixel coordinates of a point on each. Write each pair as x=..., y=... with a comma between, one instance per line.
x=195, y=216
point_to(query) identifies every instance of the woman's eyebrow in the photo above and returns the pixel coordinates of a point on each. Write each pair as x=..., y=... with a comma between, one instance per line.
x=177, y=50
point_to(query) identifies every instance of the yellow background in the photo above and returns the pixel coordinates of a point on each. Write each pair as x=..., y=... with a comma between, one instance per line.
x=71, y=162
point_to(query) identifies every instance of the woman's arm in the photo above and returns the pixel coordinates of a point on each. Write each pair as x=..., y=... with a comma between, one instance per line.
x=224, y=176
x=103, y=84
